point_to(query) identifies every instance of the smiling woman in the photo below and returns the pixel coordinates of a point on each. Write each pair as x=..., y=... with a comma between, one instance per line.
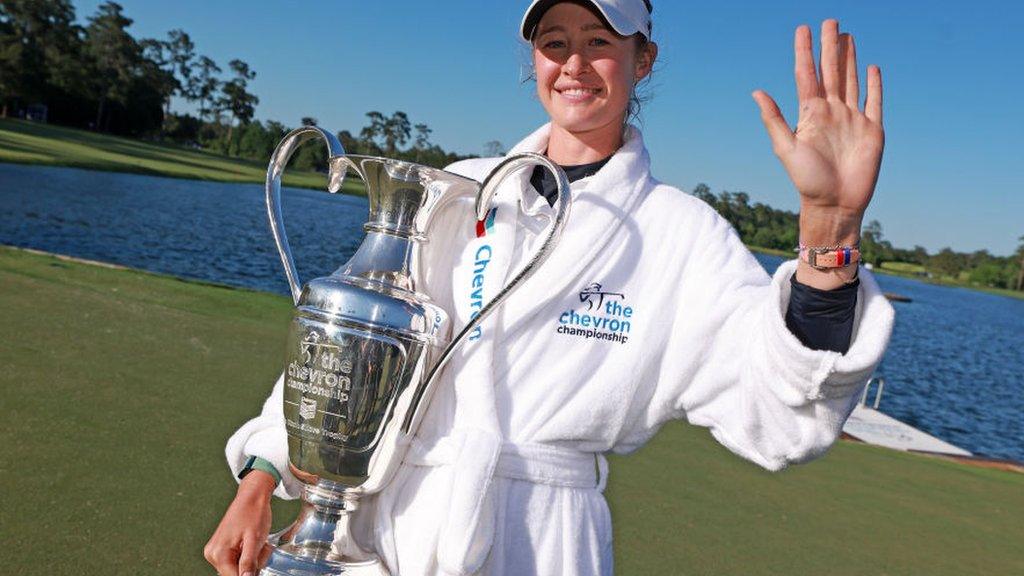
x=507, y=471
x=586, y=74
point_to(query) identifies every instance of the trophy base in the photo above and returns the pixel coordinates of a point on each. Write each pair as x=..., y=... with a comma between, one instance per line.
x=282, y=563
x=320, y=541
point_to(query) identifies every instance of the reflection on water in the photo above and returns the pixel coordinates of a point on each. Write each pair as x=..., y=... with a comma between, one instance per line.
x=955, y=367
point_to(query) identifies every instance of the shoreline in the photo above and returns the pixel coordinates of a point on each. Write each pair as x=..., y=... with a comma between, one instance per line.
x=31, y=144
x=889, y=272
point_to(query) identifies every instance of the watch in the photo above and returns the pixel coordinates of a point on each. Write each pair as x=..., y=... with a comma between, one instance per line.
x=257, y=463
x=829, y=257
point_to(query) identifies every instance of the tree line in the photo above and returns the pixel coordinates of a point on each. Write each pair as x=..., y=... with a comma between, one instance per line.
x=99, y=77
x=767, y=227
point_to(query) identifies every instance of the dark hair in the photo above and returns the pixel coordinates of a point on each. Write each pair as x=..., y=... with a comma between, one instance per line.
x=636, y=101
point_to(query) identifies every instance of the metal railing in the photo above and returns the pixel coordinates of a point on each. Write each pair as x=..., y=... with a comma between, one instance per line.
x=878, y=392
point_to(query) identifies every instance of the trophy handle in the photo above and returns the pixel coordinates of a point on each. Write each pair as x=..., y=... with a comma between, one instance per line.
x=278, y=161
x=484, y=198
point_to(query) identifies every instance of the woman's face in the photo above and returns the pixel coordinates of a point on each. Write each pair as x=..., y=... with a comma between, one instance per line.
x=585, y=72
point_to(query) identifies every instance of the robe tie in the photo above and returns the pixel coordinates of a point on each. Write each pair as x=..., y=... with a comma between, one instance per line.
x=537, y=463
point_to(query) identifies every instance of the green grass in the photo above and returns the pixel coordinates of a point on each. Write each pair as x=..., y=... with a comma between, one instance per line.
x=903, y=267
x=33, y=143
x=912, y=271
x=119, y=389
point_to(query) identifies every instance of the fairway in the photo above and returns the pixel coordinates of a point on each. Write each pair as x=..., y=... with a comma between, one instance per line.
x=120, y=388
x=32, y=143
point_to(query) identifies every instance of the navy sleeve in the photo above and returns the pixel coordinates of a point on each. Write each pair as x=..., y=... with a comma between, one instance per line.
x=822, y=319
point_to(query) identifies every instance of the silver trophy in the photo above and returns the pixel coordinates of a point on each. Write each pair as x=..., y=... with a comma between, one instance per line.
x=365, y=347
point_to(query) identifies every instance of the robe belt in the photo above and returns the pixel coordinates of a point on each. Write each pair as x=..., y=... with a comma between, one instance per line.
x=537, y=463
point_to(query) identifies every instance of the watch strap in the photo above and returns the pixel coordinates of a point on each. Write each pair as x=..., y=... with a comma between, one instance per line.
x=257, y=463
x=829, y=258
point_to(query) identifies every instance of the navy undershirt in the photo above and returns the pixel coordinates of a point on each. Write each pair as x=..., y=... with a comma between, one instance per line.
x=820, y=319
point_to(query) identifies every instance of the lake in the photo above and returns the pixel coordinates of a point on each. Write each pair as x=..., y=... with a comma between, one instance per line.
x=954, y=368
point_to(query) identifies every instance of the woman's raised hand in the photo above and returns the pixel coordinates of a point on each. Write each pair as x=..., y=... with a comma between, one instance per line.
x=834, y=155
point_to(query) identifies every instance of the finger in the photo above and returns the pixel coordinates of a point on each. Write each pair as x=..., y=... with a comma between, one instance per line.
x=264, y=554
x=851, y=83
x=806, y=78
x=247, y=561
x=873, y=102
x=830, y=58
x=782, y=137
x=223, y=559
x=225, y=562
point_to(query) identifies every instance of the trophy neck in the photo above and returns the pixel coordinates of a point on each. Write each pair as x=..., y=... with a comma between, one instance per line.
x=404, y=196
x=383, y=258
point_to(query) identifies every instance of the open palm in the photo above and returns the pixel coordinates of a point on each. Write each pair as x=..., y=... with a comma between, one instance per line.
x=834, y=155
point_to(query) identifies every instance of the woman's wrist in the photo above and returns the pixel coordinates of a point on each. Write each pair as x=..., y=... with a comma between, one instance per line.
x=828, y=227
x=257, y=484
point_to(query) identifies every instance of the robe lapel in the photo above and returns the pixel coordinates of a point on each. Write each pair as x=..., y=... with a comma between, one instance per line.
x=601, y=205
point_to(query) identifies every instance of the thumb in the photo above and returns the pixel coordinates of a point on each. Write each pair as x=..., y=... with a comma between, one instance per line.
x=782, y=137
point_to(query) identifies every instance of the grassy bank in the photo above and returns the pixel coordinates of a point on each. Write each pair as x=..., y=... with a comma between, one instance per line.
x=911, y=271
x=120, y=387
x=33, y=143
x=917, y=272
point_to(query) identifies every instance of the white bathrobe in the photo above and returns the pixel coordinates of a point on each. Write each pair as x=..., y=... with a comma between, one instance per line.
x=650, y=309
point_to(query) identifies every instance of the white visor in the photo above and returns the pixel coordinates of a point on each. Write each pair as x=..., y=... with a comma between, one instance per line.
x=627, y=17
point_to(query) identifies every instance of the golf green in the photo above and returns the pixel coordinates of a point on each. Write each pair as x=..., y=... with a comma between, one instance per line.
x=32, y=143
x=119, y=389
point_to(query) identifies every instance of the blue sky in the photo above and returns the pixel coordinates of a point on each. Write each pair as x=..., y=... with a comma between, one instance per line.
x=953, y=173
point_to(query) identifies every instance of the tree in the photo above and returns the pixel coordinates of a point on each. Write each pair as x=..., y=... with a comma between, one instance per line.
x=115, y=56
x=236, y=97
x=182, y=53
x=873, y=248
x=309, y=121
x=161, y=70
x=350, y=143
x=206, y=83
x=422, y=142
x=946, y=263
x=703, y=191
x=423, y=133
x=375, y=129
x=40, y=51
x=494, y=148
x=1020, y=275
x=397, y=130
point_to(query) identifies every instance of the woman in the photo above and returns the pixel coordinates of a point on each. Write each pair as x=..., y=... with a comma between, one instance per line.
x=502, y=478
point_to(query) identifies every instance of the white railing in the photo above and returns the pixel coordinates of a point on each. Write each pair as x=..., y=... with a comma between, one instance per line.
x=878, y=392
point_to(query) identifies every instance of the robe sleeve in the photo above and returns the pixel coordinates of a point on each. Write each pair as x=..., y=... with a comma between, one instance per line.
x=732, y=365
x=265, y=436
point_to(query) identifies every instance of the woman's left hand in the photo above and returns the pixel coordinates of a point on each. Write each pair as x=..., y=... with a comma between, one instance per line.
x=834, y=155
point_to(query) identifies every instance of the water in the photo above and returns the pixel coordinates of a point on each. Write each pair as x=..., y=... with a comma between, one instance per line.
x=954, y=368
x=202, y=230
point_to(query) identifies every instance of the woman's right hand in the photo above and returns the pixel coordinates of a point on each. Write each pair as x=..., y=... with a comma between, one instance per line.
x=240, y=541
